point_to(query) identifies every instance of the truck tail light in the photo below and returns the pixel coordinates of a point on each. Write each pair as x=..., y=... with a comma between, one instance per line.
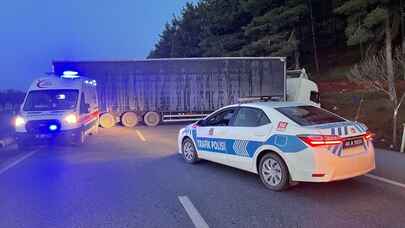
x=321, y=140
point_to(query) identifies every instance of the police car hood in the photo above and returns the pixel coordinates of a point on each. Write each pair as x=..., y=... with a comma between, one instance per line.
x=343, y=129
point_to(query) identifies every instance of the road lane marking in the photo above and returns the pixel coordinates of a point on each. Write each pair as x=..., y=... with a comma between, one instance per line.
x=385, y=180
x=140, y=135
x=192, y=212
x=16, y=162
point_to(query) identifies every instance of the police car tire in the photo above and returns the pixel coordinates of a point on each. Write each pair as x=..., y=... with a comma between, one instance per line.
x=129, y=119
x=151, y=119
x=285, y=176
x=190, y=156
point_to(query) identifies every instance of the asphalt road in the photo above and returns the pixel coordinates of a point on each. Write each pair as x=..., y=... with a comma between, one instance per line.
x=125, y=178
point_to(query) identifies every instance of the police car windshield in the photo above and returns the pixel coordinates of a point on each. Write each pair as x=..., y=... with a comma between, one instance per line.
x=51, y=100
x=309, y=115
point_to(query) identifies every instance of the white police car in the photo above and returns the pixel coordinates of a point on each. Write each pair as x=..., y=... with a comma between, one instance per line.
x=283, y=142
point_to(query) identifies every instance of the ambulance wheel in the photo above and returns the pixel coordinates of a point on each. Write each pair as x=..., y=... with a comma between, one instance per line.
x=22, y=145
x=189, y=152
x=81, y=138
x=151, y=119
x=273, y=172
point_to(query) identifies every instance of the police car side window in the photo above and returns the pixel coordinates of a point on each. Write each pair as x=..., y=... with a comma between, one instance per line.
x=222, y=118
x=250, y=117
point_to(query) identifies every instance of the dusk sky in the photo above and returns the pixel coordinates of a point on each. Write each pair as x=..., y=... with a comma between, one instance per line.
x=33, y=33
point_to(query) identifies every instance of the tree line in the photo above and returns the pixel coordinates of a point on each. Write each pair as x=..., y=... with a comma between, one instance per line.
x=314, y=34
x=308, y=32
x=10, y=100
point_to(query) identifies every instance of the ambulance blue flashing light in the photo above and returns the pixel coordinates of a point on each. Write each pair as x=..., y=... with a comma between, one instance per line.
x=53, y=127
x=70, y=74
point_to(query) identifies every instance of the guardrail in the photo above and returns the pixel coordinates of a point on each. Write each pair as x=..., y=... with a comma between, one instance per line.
x=403, y=140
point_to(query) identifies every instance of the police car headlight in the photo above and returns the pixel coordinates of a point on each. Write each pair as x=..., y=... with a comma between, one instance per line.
x=71, y=119
x=19, y=121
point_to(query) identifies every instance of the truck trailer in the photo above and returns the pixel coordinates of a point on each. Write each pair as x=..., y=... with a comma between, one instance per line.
x=153, y=91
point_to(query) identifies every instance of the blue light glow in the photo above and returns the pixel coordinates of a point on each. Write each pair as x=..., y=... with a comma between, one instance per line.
x=53, y=127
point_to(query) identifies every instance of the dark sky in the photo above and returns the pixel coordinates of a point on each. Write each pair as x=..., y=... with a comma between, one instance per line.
x=33, y=32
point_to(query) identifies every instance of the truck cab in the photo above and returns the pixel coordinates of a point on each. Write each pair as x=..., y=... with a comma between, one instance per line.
x=58, y=108
x=301, y=89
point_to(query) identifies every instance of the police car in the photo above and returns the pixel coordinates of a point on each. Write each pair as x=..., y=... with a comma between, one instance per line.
x=64, y=108
x=282, y=142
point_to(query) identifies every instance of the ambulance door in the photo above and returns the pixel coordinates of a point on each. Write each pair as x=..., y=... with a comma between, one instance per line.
x=212, y=139
x=249, y=130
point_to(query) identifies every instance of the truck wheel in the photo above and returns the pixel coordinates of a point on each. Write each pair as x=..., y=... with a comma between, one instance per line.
x=129, y=119
x=151, y=119
x=273, y=172
x=107, y=120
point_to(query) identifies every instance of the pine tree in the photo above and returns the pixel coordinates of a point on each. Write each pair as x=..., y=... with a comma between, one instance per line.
x=222, y=27
x=370, y=23
x=274, y=32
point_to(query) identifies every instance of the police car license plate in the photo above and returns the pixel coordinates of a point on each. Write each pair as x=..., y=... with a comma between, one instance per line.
x=353, y=142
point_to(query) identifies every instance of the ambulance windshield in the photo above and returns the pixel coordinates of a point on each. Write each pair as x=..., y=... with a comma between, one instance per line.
x=51, y=100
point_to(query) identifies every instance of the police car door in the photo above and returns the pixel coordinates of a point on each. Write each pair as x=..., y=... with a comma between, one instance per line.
x=212, y=135
x=249, y=130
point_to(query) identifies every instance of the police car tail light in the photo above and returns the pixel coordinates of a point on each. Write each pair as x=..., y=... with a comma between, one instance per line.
x=320, y=140
x=369, y=135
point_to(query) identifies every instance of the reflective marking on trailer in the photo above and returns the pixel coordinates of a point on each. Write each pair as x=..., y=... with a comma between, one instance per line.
x=16, y=162
x=193, y=213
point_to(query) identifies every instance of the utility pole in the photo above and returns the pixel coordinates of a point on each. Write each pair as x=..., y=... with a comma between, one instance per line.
x=315, y=48
x=402, y=14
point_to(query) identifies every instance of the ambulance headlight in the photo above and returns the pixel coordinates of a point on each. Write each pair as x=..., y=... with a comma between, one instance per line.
x=71, y=119
x=19, y=121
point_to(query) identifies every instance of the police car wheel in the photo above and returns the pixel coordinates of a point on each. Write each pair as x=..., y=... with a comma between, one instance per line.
x=274, y=172
x=189, y=151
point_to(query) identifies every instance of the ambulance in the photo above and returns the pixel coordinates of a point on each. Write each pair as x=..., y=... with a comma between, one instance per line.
x=60, y=109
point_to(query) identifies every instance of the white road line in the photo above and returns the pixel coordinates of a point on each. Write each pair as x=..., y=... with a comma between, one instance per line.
x=192, y=212
x=140, y=135
x=385, y=180
x=14, y=163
